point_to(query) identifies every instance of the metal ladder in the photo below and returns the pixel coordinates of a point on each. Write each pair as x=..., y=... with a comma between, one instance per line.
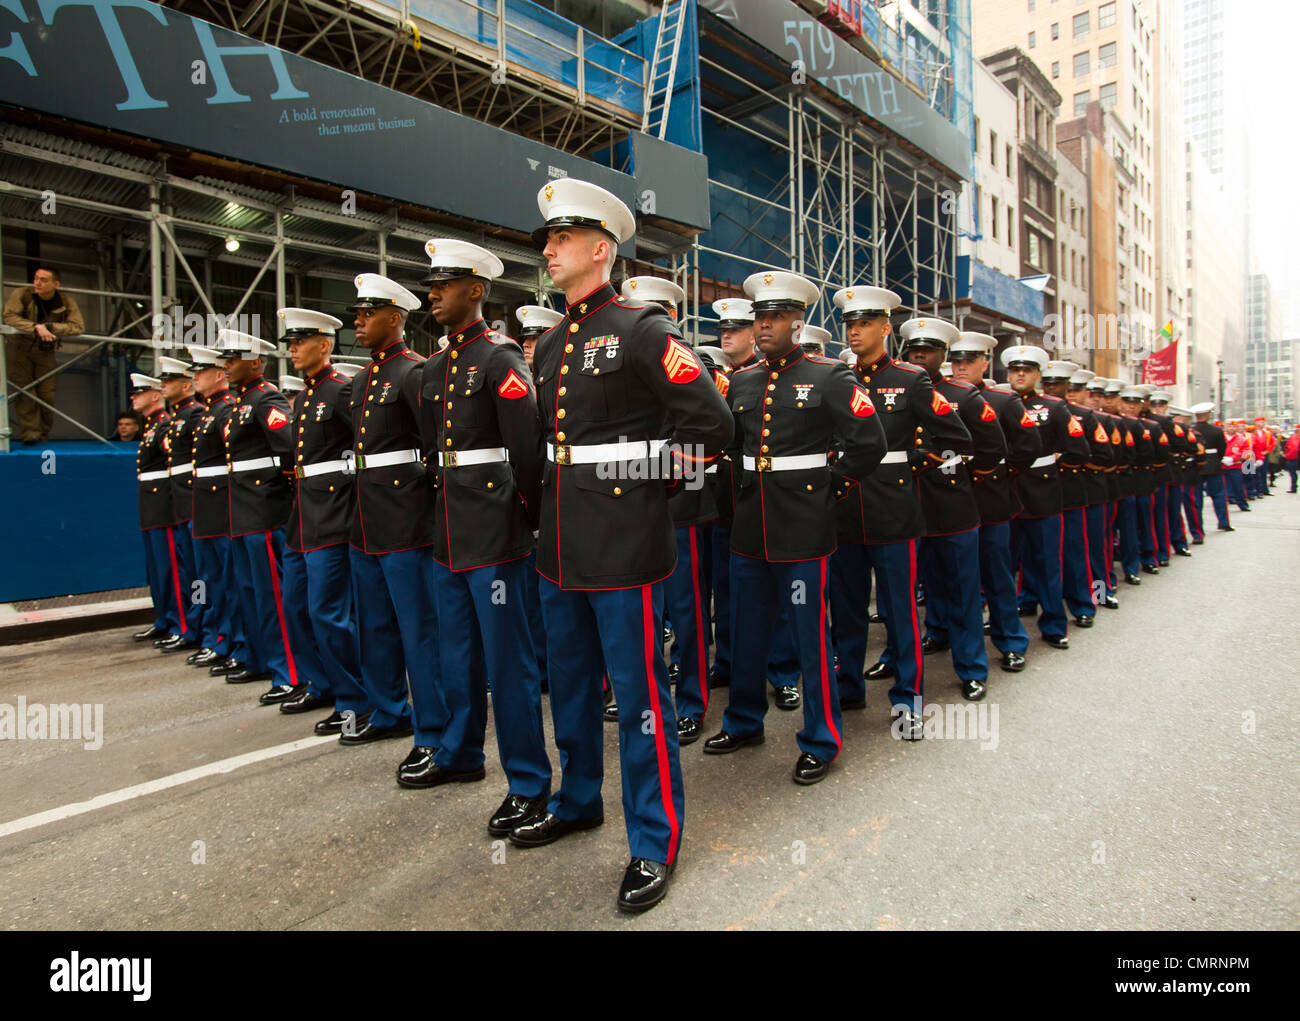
x=663, y=68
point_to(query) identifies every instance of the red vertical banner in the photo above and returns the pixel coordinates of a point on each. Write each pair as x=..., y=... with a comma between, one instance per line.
x=1161, y=369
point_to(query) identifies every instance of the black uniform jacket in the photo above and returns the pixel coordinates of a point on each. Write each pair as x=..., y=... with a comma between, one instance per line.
x=180, y=450
x=212, y=492
x=478, y=394
x=155, y=495
x=322, y=433
x=789, y=406
x=995, y=493
x=722, y=473
x=258, y=429
x=1039, y=488
x=394, y=502
x=1084, y=484
x=920, y=425
x=1214, y=441
x=614, y=371
x=947, y=493
x=1144, y=455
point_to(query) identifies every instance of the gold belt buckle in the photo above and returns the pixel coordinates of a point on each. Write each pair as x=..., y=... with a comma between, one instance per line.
x=299, y=473
x=449, y=459
x=563, y=455
x=764, y=464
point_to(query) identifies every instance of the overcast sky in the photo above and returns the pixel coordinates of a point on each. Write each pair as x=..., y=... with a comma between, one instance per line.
x=1264, y=76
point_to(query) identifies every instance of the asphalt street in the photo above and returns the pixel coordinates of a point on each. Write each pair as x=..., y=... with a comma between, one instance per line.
x=1144, y=778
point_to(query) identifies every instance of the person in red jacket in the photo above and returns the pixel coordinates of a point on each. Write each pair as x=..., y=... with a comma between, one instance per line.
x=1291, y=454
x=1235, y=455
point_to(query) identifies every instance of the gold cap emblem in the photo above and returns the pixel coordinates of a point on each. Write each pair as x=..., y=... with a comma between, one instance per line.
x=767, y=279
x=920, y=324
x=849, y=295
x=429, y=247
x=549, y=192
x=723, y=306
x=631, y=284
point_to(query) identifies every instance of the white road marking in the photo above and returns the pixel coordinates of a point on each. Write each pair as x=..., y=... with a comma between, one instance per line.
x=163, y=783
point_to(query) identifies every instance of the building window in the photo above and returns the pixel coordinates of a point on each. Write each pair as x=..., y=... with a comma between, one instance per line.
x=1011, y=228
x=1081, y=101
x=1082, y=22
x=1106, y=15
x=993, y=217
x=1056, y=69
x=1009, y=164
x=1033, y=39
x=1056, y=30
x=1108, y=95
x=993, y=148
x=1106, y=56
x=1034, y=254
x=1031, y=6
x=977, y=136
x=1082, y=64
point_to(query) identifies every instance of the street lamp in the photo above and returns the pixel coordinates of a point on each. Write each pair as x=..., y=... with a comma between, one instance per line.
x=1219, y=363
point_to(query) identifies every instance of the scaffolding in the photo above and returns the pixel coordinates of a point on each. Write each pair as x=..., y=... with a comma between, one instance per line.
x=799, y=180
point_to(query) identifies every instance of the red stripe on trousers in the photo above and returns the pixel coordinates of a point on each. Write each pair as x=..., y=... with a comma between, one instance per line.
x=825, y=674
x=701, y=641
x=1087, y=555
x=661, y=746
x=176, y=577
x=916, y=626
x=279, y=610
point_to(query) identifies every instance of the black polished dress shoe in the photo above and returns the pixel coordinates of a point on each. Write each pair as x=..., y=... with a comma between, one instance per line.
x=674, y=672
x=876, y=618
x=907, y=725
x=367, y=732
x=689, y=730
x=786, y=698
x=1163, y=563
x=809, y=769
x=177, y=644
x=193, y=658
x=1084, y=620
x=245, y=676
x=1132, y=579
x=853, y=703
x=723, y=743
x=973, y=691
x=158, y=643
x=547, y=828
x=610, y=712
x=1057, y=641
x=515, y=811
x=1028, y=611
x=229, y=665
x=645, y=884
x=1226, y=528
x=304, y=701
x=149, y=634
x=1150, y=569
x=208, y=658
x=1111, y=603
x=930, y=645
x=1183, y=552
x=278, y=693
x=667, y=635
x=332, y=724
x=1013, y=662
x=1244, y=510
x=1199, y=542
x=988, y=627
x=719, y=680
x=418, y=771
x=878, y=671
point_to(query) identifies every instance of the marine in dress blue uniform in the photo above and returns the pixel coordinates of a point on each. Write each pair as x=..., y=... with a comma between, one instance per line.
x=1146, y=435
x=177, y=381
x=612, y=377
x=224, y=646
x=790, y=410
x=534, y=321
x=1180, y=448
x=154, y=500
x=1037, y=533
x=1211, y=472
x=317, y=559
x=1102, y=551
x=949, y=551
x=258, y=455
x=995, y=495
x=879, y=518
x=392, y=531
x=478, y=421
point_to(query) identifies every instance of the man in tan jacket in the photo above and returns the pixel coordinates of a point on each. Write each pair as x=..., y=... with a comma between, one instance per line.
x=43, y=315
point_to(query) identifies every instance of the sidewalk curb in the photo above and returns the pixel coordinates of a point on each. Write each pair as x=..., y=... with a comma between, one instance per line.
x=18, y=627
